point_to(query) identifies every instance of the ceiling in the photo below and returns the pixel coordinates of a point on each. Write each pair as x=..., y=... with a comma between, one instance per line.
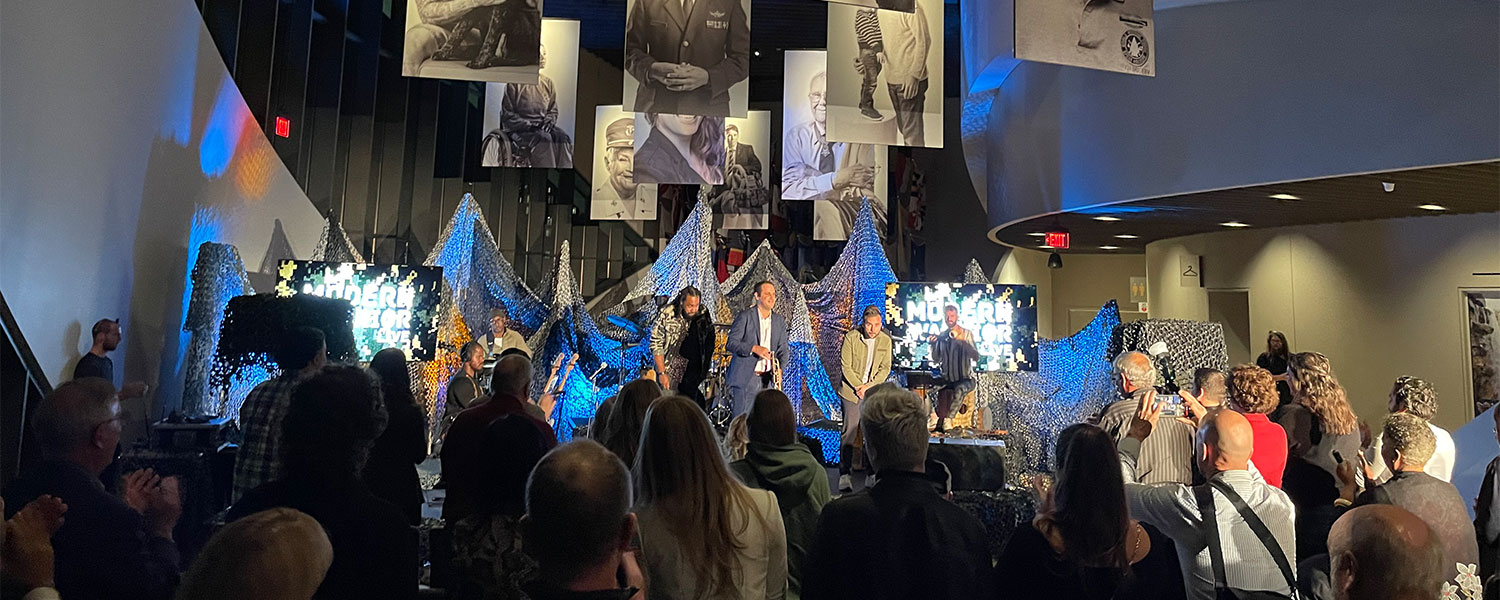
x=1459, y=189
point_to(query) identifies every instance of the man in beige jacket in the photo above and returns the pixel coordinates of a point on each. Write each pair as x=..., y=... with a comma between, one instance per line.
x=866, y=359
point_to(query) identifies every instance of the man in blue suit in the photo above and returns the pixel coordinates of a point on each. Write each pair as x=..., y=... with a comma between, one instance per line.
x=757, y=335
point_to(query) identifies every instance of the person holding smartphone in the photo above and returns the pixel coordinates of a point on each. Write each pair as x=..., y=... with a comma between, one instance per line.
x=1167, y=453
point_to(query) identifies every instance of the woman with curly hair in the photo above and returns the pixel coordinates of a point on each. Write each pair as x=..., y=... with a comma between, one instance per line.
x=1415, y=397
x=1252, y=392
x=685, y=149
x=1322, y=431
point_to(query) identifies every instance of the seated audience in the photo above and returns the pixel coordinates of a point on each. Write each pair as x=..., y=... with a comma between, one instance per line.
x=1227, y=541
x=1321, y=430
x=1082, y=543
x=279, y=553
x=1407, y=444
x=326, y=435
x=1415, y=397
x=1252, y=392
x=107, y=546
x=578, y=526
x=391, y=471
x=1384, y=553
x=776, y=461
x=900, y=538
x=622, y=434
x=1210, y=387
x=704, y=534
x=300, y=354
x=1487, y=512
x=486, y=542
x=1167, y=455
x=463, y=452
x=26, y=556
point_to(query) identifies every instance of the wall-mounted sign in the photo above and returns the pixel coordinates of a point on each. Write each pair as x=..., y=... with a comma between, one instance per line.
x=1190, y=270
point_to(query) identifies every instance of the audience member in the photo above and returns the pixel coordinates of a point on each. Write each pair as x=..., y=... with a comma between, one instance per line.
x=464, y=454
x=1415, y=397
x=1383, y=552
x=278, y=553
x=463, y=391
x=776, y=461
x=391, y=471
x=1167, y=455
x=333, y=420
x=1487, y=512
x=96, y=362
x=1232, y=533
x=26, y=555
x=300, y=353
x=1407, y=444
x=107, y=547
x=1082, y=543
x=704, y=534
x=1321, y=430
x=1276, y=359
x=1252, y=392
x=737, y=438
x=601, y=417
x=486, y=542
x=622, y=434
x=898, y=539
x=1210, y=387
x=578, y=526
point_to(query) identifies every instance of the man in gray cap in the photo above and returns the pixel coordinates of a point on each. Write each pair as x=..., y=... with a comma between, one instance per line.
x=615, y=197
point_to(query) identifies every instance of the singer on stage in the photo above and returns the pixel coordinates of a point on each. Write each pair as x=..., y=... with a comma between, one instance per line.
x=954, y=351
x=757, y=339
x=682, y=345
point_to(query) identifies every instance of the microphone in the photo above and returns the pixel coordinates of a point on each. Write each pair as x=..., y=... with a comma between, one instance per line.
x=602, y=367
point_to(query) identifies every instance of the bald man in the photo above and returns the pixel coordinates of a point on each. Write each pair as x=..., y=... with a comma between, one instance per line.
x=578, y=525
x=1223, y=551
x=1384, y=552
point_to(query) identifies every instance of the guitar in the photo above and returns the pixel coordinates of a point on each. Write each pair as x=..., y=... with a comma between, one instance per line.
x=556, y=385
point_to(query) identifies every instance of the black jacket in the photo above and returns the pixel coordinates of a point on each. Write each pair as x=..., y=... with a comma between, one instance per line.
x=103, y=549
x=1437, y=502
x=1488, y=548
x=897, y=540
x=715, y=36
x=391, y=471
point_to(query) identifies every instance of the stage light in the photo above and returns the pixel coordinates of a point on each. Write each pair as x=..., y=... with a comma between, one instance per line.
x=1054, y=261
x=283, y=127
x=1109, y=247
x=1126, y=236
x=1107, y=219
x=1284, y=197
x=1234, y=224
x=1058, y=239
x=1433, y=207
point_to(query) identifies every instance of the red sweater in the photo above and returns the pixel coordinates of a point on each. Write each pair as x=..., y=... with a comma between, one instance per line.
x=1269, y=455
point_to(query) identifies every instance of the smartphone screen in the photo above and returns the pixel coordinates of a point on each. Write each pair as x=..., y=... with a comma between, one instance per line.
x=1171, y=406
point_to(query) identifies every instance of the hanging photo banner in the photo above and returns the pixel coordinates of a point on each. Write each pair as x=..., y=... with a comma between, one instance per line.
x=395, y=306
x=528, y=125
x=453, y=39
x=687, y=149
x=898, y=5
x=744, y=199
x=885, y=75
x=810, y=164
x=1109, y=35
x=688, y=57
x=616, y=195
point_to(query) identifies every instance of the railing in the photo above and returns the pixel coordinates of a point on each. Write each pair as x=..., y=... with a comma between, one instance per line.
x=23, y=384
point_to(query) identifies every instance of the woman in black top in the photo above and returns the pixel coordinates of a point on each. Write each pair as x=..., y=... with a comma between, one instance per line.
x=391, y=471
x=1082, y=543
x=1275, y=359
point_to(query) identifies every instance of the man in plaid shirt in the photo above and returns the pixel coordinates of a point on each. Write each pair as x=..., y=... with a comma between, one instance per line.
x=302, y=353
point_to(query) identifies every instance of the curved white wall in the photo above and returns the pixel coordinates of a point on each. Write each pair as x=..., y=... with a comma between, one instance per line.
x=1249, y=92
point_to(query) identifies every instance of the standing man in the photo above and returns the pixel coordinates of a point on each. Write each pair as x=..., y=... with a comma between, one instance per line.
x=810, y=169
x=866, y=359
x=955, y=354
x=1166, y=454
x=463, y=389
x=682, y=344
x=615, y=197
x=96, y=363
x=502, y=337
x=907, y=42
x=686, y=54
x=300, y=355
x=757, y=335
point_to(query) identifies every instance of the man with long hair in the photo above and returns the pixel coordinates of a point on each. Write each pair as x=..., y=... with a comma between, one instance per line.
x=682, y=344
x=757, y=336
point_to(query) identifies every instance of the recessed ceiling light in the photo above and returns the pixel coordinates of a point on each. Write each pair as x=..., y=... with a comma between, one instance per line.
x=1125, y=236
x=1432, y=207
x=1107, y=218
x=1109, y=247
x=1234, y=224
x=1284, y=197
x=1038, y=234
x=757, y=52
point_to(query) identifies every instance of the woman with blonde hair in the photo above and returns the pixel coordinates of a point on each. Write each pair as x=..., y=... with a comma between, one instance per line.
x=703, y=533
x=1321, y=432
x=279, y=553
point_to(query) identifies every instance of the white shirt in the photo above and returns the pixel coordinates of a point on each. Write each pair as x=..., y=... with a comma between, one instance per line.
x=1439, y=466
x=870, y=357
x=765, y=342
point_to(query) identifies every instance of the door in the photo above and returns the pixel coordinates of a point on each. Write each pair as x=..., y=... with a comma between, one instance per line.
x=1231, y=308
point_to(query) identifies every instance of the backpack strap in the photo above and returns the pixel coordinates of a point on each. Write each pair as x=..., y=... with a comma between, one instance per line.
x=1211, y=528
x=1261, y=531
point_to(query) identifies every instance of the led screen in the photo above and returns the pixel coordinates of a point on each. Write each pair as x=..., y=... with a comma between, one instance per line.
x=1001, y=317
x=395, y=306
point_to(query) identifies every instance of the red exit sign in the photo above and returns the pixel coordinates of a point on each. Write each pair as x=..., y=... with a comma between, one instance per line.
x=283, y=127
x=1058, y=239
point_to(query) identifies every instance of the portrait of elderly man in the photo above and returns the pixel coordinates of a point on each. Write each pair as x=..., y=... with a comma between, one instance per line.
x=685, y=55
x=615, y=194
x=529, y=135
x=813, y=168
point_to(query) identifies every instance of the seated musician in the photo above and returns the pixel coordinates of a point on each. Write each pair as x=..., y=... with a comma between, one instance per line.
x=955, y=353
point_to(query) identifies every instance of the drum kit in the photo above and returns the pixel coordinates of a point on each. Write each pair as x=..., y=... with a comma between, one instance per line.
x=714, y=389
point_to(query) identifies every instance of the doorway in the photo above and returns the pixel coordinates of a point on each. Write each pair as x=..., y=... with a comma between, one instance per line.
x=1231, y=308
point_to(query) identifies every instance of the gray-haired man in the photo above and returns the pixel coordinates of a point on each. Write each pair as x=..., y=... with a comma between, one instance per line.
x=1166, y=454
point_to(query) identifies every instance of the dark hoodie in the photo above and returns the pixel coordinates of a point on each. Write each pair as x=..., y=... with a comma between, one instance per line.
x=801, y=488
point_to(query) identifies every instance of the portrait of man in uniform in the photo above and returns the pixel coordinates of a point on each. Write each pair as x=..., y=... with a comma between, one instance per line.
x=688, y=57
x=616, y=195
